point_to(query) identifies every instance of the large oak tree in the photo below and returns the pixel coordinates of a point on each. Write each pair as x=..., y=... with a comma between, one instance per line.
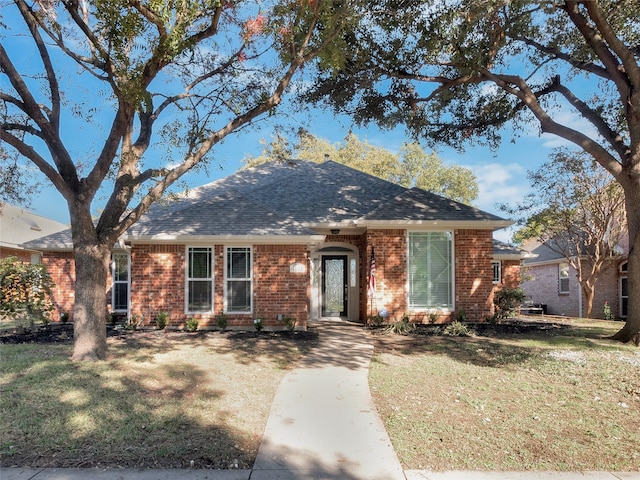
x=147, y=76
x=460, y=71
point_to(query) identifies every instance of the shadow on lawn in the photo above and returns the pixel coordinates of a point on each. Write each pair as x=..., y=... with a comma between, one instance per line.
x=65, y=414
x=493, y=347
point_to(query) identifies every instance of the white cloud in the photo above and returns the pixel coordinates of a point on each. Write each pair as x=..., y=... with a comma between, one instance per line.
x=499, y=183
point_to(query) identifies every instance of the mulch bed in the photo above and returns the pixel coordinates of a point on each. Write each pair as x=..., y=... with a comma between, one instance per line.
x=62, y=333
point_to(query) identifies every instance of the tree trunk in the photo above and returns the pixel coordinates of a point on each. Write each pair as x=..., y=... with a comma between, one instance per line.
x=588, y=292
x=89, y=311
x=631, y=330
x=92, y=255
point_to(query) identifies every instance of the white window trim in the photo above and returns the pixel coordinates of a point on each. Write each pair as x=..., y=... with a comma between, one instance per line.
x=453, y=273
x=114, y=282
x=250, y=279
x=499, y=279
x=187, y=279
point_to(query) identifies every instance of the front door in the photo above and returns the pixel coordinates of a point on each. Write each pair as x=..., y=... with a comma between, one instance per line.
x=334, y=286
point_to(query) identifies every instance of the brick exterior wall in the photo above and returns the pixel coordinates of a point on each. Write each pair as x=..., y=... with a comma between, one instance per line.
x=473, y=273
x=158, y=279
x=61, y=268
x=277, y=290
x=510, y=277
x=391, y=273
x=22, y=255
x=541, y=286
x=157, y=282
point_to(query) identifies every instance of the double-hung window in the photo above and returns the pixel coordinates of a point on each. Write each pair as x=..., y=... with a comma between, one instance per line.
x=497, y=272
x=563, y=278
x=238, y=280
x=199, y=280
x=430, y=270
x=120, y=282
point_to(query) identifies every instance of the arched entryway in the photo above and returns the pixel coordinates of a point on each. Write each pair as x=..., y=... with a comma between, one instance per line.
x=334, y=282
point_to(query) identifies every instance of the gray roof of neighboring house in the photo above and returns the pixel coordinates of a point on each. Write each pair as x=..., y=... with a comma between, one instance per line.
x=18, y=226
x=504, y=251
x=541, y=253
x=291, y=198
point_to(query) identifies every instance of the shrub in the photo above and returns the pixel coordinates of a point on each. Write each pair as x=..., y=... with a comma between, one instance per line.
x=457, y=329
x=403, y=327
x=290, y=323
x=221, y=322
x=507, y=301
x=113, y=318
x=25, y=290
x=433, y=316
x=461, y=315
x=64, y=317
x=607, y=312
x=376, y=321
x=192, y=324
x=258, y=324
x=162, y=319
x=134, y=321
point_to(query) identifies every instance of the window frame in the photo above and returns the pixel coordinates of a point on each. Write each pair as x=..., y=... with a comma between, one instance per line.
x=417, y=306
x=115, y=282
x=227, y=279
x=496, y=267
x=189, y=279
x=562, y=288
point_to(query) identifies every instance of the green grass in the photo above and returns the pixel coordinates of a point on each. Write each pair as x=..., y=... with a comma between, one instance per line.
x=565, y=401
x=159, y=401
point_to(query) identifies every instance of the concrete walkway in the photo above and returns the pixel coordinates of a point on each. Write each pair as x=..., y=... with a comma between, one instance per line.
x=323, y=425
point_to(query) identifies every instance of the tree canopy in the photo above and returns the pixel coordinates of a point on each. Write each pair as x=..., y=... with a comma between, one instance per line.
x=465, y=71
x=93, y=90
x=411, y=167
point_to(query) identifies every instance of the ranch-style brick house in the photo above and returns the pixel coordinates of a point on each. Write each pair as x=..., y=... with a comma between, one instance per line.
x=297, y=239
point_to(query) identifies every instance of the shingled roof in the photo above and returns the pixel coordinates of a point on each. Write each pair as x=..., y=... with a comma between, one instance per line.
x=297, y=198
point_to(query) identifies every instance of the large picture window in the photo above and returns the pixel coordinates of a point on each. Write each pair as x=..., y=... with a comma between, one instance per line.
x=430, y=270
x=199, y=280
x=120, y=282
x=238, y=280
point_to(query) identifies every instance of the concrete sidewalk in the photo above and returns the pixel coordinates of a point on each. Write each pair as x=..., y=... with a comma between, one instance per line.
x=322, y=425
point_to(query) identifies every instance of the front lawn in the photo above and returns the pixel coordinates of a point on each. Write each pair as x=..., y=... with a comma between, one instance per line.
x=561, y=399
x=162, y=400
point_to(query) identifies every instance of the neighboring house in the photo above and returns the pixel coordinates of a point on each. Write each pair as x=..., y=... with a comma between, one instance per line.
x=296, y=239
x=18, y=226
x=549, y=279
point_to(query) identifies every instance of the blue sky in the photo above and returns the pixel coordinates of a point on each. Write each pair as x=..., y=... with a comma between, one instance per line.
x=501, y=174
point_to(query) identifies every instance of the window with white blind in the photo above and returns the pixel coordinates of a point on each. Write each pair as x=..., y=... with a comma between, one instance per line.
x=199, y=280
x=563, y=278
x=430, y=270
x=120, y=282
x=238, y=280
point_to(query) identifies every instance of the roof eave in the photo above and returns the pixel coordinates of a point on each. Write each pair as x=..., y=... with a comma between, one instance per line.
x=448, y=224
x=192, y=239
